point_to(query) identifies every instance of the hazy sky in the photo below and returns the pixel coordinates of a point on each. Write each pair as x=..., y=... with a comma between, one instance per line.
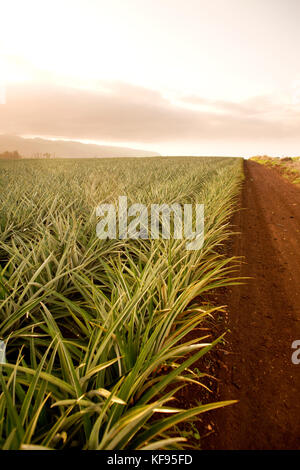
x=185, y=77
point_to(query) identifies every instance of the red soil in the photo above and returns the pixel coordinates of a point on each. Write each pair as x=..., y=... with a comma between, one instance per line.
x=264, y=320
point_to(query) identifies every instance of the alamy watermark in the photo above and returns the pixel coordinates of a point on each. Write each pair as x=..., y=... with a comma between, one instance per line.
x=296, y=354
x=166, y=220
x=2, y=352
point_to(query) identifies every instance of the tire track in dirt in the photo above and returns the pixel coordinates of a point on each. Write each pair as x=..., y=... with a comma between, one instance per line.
x=264, y=320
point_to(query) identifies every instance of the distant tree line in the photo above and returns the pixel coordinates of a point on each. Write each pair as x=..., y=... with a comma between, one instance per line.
x=10, y=155
x=16, y=156
x=43, y=155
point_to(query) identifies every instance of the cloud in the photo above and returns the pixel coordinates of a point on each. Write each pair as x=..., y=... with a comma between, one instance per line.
x=267, y=105
x=122, y=112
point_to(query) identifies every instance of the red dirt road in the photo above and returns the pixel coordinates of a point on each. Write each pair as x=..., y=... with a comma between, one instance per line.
x=264, y=319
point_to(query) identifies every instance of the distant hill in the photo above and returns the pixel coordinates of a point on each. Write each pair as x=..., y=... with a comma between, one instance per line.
x=43, y=148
